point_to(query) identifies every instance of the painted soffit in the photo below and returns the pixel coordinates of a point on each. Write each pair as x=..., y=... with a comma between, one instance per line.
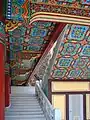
x=73, y=58
x=27, y=43
x=68, y=11
x=26, y=25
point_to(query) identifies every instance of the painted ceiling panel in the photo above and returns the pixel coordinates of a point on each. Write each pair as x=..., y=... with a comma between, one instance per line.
x=26, y=43
x=69, y=7
x=73, y=58
x=22, y=10
x=35, y=40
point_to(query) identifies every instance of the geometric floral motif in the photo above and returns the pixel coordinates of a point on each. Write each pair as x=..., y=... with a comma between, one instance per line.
x=74, y=3
x=59, y=73
x=88, y=38
x=20, y=31
x=58, y=1
x=37, y=41
x=73, y=55
x=33, y=48
x=37, y=32
x=70, y=1
x=89, y=66
x=2, y=31
x=78, y=32
x=12, y=55
x=86, y=74
x=64, y=62
x=74, y=73
x=81, y=63
x=86, y=2
x=16, y=40
x=32, y=40
x=16, y=48
x=70, y=49
x=19, y=9
x=85, y=51
x=42, y=24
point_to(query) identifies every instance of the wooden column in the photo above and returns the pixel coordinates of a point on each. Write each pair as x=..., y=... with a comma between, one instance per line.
x=7, y=90
x=2, y=82
x=2, y=68
x=7, y=78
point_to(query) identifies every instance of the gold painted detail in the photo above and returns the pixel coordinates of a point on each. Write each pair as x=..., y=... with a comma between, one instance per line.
x=11, y=25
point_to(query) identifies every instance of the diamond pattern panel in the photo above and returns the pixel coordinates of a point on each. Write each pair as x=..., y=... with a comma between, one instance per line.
x=73, y=58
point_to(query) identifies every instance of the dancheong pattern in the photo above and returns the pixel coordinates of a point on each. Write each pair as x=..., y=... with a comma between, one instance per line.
x=61, y=9
x=73, y=58
x=2, y=32
x=27, y=43
x=18, y=10
x=22, y=10
x=77, y=3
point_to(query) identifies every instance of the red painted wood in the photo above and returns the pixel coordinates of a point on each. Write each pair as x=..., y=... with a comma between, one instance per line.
x=52, y=40
x=2, y=83
x=10, y=85
x=7, y=90
x=1, y=10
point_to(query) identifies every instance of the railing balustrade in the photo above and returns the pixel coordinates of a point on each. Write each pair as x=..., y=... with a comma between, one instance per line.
x=50, y=112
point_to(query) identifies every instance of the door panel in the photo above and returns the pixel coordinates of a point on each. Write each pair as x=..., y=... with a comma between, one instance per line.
x=76, y=107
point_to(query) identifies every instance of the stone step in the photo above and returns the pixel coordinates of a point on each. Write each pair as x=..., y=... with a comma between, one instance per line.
x=14, y=98
x=23, y=99
x=26, y=116
x=43, y=118
x=25, y=104
x=22, y=110
x=24, y=113
x=23, y=95
x=24, y=107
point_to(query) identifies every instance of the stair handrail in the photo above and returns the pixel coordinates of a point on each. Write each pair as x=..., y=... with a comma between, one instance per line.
x=49, y=111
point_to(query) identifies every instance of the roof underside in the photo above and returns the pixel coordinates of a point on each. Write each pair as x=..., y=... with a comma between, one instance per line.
x=29, y=28
x=73, y=57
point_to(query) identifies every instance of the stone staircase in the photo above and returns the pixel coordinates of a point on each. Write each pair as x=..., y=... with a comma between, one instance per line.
x=24, y=105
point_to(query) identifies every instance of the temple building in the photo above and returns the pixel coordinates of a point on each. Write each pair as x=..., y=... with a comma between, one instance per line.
x=44, y=59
